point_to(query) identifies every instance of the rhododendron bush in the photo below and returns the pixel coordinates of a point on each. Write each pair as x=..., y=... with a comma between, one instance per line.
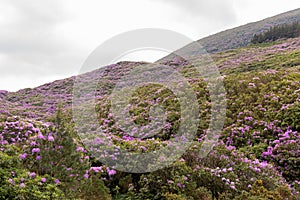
x=257, y=155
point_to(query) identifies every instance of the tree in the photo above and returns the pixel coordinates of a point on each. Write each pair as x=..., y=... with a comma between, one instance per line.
x=278, y=32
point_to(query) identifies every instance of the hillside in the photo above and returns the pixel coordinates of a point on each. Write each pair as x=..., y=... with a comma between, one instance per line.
x=242, y=35
x=43, y=100
x=257, y=155
x=237, y=37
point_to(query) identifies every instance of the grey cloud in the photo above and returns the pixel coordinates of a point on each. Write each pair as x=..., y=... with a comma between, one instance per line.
x=29, y=41
x=31, y=27
x=217, y=10
x=33, y=65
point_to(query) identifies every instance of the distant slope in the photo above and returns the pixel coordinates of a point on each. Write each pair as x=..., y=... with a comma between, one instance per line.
x=236, y=37
x=241, y=36
x=41, y=102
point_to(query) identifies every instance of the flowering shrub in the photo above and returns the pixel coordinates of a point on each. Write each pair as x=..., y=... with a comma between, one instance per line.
x=49, y=158
x=285, y=153
x=19, y=183
x=257, y=156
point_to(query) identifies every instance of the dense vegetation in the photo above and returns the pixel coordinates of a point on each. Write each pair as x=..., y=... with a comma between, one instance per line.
x=257, y=155
x=278, y=32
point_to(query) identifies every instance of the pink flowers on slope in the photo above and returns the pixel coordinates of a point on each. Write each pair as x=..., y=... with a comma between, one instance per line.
x=23, y=156
x=111, y=171
x=50, y=138
x=35, y=150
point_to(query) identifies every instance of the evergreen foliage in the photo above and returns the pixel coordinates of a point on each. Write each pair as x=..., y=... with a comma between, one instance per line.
x=278, y=32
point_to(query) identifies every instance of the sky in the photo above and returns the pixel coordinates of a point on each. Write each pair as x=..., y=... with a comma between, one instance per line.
x=45, y=40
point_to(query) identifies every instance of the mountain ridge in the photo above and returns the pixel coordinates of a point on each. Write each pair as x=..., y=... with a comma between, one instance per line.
x=235, y=37
x=262, y=25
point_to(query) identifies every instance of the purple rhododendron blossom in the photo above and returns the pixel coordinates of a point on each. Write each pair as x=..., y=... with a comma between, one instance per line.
x=35, y=150
x=50, y=138
x=111, y=172
x=23, y=156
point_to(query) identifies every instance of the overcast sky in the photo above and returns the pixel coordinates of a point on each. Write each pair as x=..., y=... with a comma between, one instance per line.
x=45, y=40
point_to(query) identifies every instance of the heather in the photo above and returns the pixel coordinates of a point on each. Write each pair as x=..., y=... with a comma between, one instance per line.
x=256, y=157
